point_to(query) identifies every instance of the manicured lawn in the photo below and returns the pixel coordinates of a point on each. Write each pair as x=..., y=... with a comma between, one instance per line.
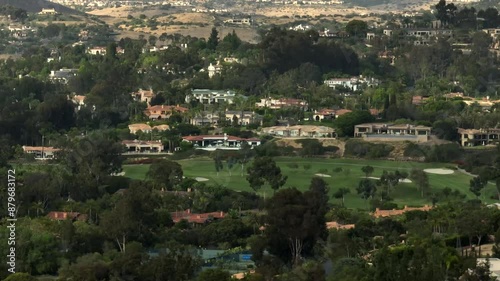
x=404, y=193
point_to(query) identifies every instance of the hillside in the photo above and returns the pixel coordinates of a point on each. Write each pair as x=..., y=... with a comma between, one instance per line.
x=35, y=6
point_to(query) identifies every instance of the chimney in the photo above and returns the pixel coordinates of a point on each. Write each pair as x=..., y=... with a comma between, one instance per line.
x=406, y=207
x=221, y=214
x=189, y=211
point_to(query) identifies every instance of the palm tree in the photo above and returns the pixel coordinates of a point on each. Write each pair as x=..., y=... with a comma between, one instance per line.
x=38, y=207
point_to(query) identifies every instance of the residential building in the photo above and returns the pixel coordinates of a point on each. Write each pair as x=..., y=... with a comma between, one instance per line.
x=297, y=131
x=161, y=112
x=476, y=137
x=62, y=75
x=418, y=100
x=138, y=146
x=145, y=128
x=212, y=118
x=324, y=114
x=194, y=218
x=281, y=103
x=240, y=21
x=79, y=101
x=389, y=213
x=336, y=225
x=97, y=50
x=143, y=95
x=353, y=83
x=61, y=216
x=48, y=12
x=206, y=96
x=243, y=117
x=214, y=69
x=392, y=132
x=41, y=152
x=494, y=265
x=213, y=142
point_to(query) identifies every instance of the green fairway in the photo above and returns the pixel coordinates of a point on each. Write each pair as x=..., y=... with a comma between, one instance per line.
x=404, y=193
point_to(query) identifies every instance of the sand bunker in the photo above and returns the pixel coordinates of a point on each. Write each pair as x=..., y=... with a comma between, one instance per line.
x=401, y=180
x=323, y=175
x=200, y=179
x=118, y=174
x=439, y=171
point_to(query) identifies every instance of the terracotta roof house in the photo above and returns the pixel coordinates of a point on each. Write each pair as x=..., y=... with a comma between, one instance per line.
x=418, y=100
x=41, y=152
x=145, y=128
x=74, y=216
x=138, y=146
x=336, y=225
x=143, y=95
x=159, y=112
x=389, y=213
x=324, y=114
x=196, y=218
x=340, y=112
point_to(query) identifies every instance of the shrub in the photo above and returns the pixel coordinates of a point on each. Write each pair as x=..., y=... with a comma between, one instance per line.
x=293, y=165
x=337, y=170
x=365, y=149
x=322, y=171
x=307, y=166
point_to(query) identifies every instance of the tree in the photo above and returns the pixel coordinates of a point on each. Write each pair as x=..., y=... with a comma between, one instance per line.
x=133, y=217
x=165, y=174
x=175, y=263
x=341, y=193
x=366, y=189
x=476, y=185
x=445, y=12
x=345, y=123
x=213, y=40
x=19, y=276
x=90, y=160
x=367, y=170
x=216, y=274
x=294, y=222
x=265, y=170
x=218, y=162
x=244, y=155
x=357, y=28
x=421, y=179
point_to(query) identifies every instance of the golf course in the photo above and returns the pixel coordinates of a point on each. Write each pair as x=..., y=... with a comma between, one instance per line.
x=337, y=173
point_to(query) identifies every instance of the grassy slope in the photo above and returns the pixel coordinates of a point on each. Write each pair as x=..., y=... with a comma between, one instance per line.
x=404, y=194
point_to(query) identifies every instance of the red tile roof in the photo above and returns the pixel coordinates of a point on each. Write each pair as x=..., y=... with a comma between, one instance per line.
x=336, y=225
x=67, y=215
x=196, y=218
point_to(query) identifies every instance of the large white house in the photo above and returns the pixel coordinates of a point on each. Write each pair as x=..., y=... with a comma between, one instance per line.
x=206, y=96
x=353, y=83
x=213, y=142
